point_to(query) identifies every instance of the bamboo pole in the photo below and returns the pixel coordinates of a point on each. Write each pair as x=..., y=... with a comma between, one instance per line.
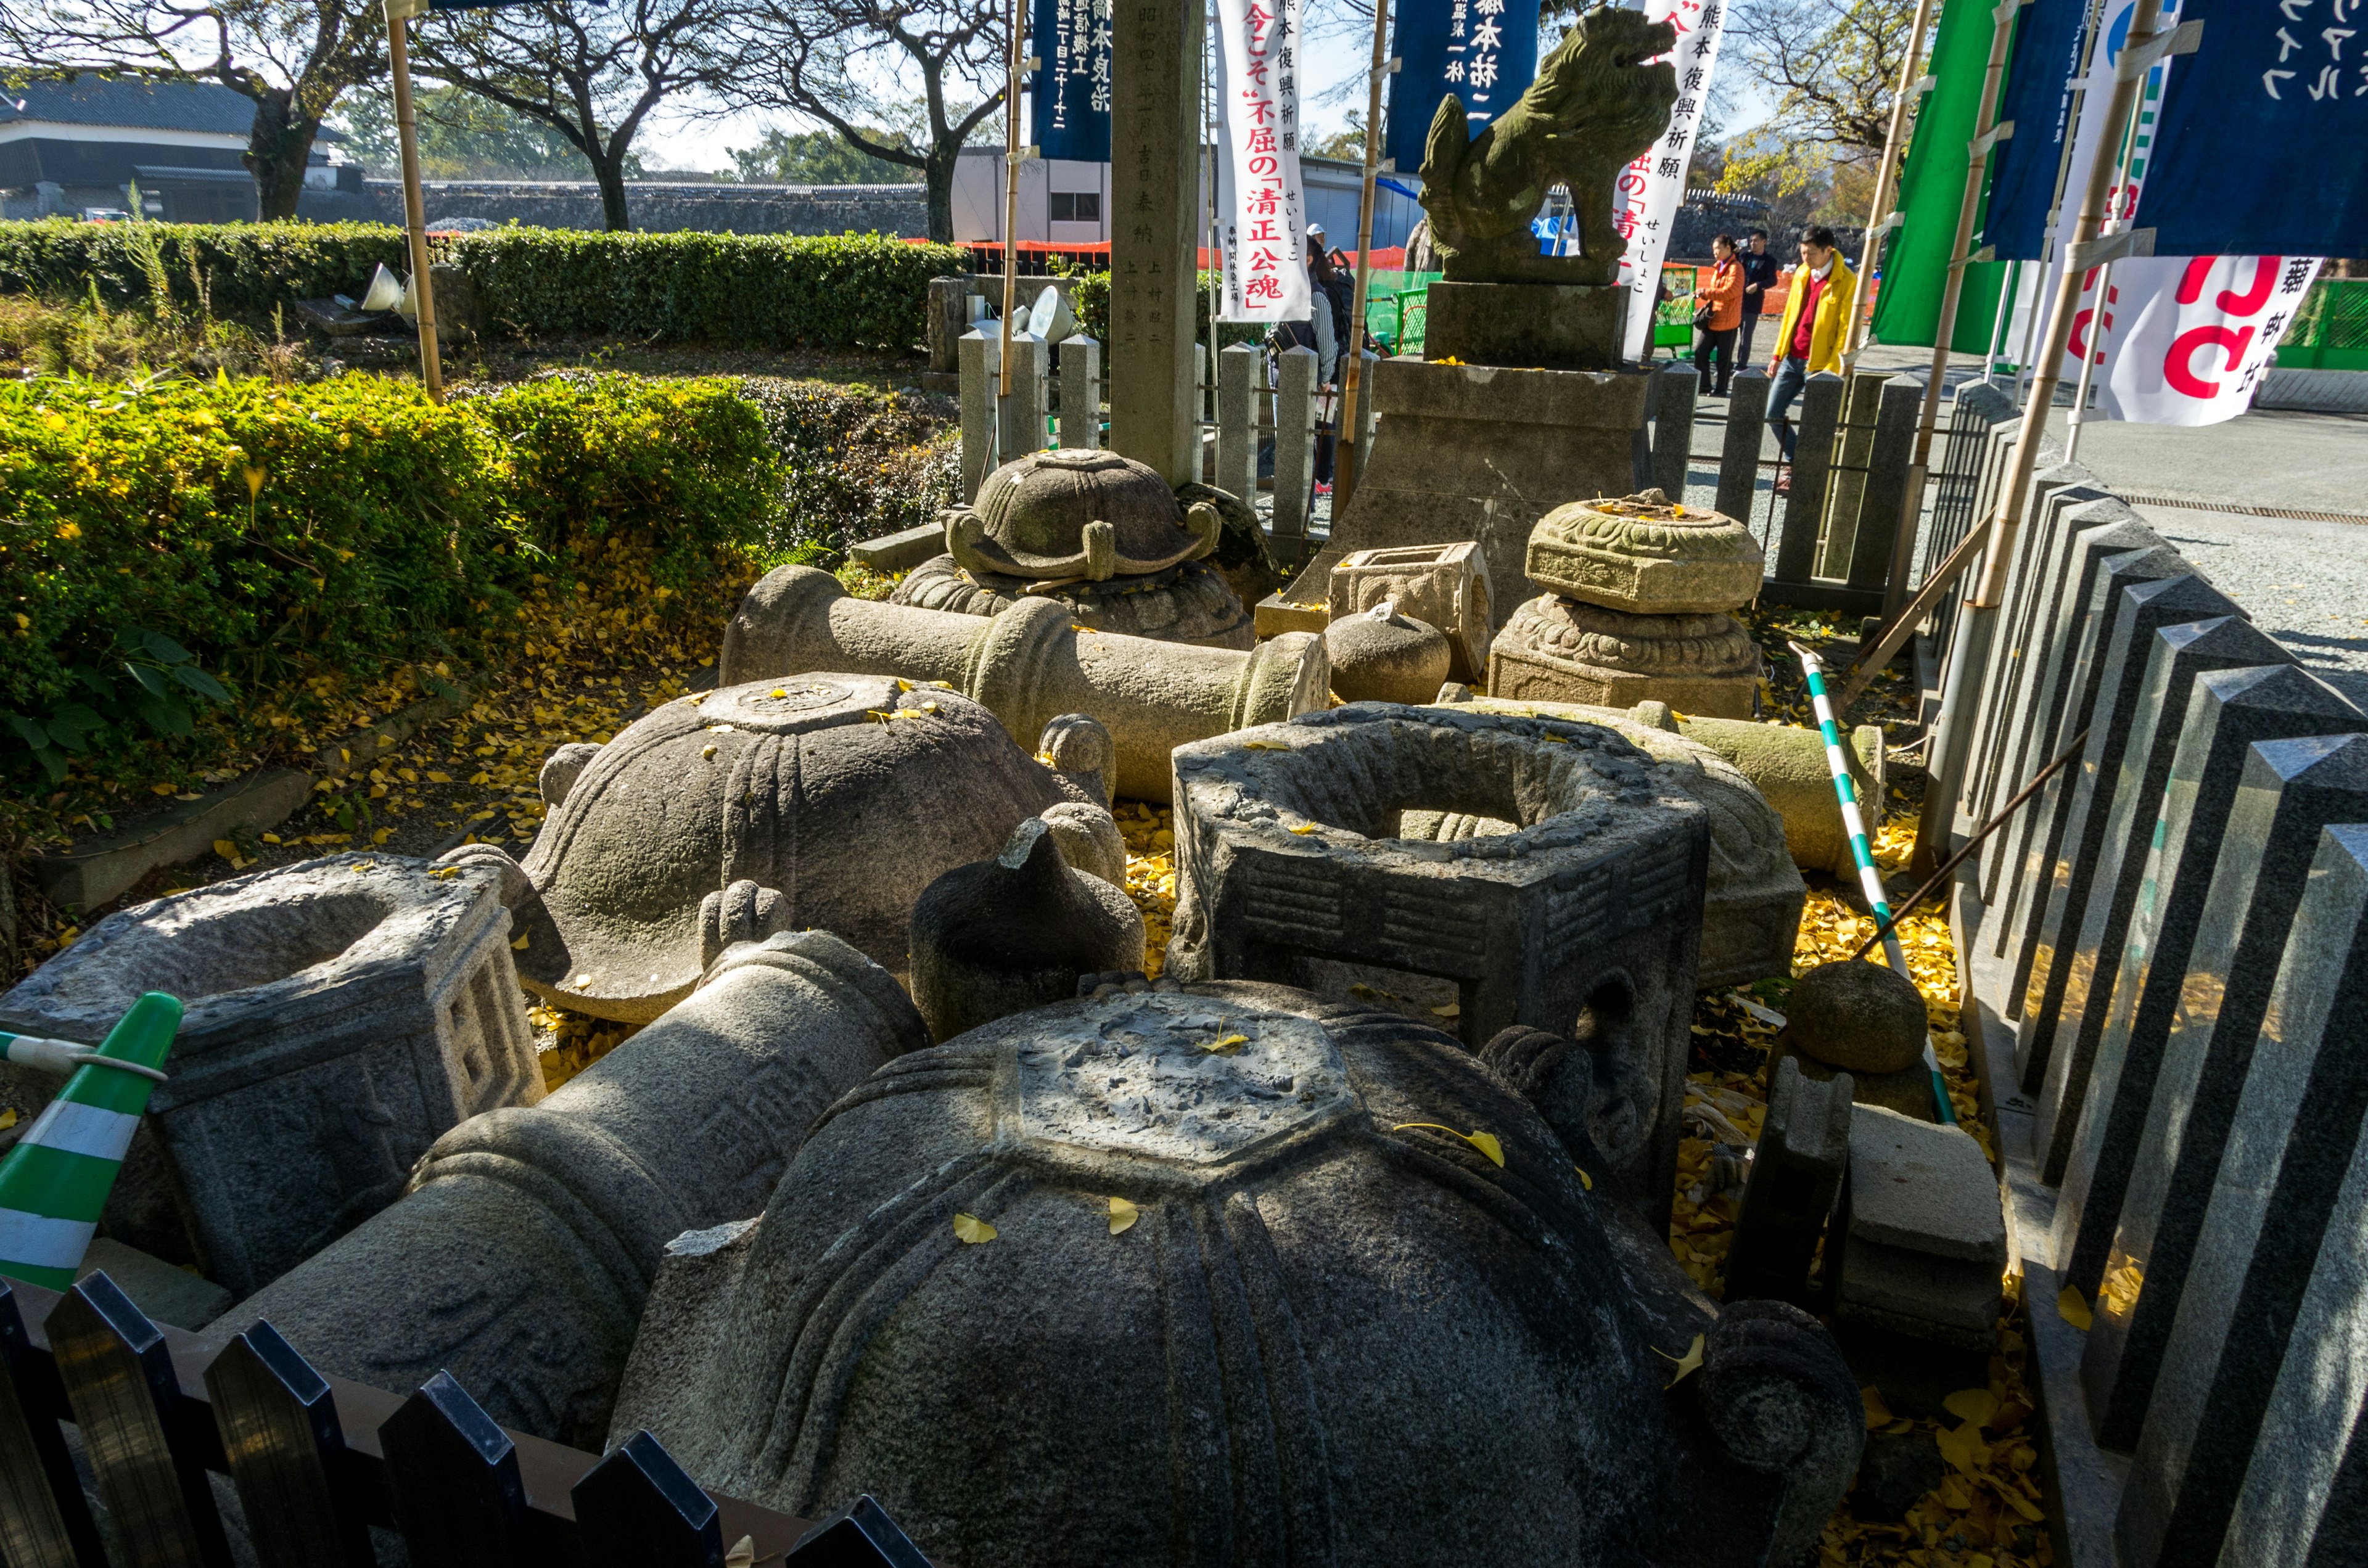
x=415, y=205
x=1977, y=615
x=1986, y=134
x=1877, y=220
x=1344, y=470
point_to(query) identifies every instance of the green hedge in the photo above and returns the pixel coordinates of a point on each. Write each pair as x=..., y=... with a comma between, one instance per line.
x=775, y=290
x=348, y=524
x=1092, y=305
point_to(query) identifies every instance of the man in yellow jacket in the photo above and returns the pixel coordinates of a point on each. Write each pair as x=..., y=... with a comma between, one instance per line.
x=1809, y=339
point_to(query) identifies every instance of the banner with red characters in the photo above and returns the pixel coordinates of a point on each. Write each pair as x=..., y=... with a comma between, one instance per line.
x=1263, y=242
x=2184, y=340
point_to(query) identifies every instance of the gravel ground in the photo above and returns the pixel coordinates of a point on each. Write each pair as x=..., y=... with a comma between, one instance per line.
x=2304, y=583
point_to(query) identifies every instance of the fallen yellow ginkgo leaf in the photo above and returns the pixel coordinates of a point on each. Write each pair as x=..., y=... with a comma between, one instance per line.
x=2017, y=1501
x=1963, y=1447
x=971, y=1228
x=743, y=1553
x=1122, y=1215
x=1453, y=1010
x=1308, y=828
x=1976, y=1405
x=521, y=943
x=1687, y=1363
x=1878, y=1414
x=1485, y=1142
x=1584, y=1180
x=1264, y=745
x=2072, y=1308
x=1226, y=1046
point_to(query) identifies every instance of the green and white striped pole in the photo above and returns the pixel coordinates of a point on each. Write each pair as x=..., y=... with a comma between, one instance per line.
x=55, y=1181
x=1870, y=880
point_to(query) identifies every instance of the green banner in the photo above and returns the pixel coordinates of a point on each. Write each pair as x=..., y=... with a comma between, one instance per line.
x=1931, y=189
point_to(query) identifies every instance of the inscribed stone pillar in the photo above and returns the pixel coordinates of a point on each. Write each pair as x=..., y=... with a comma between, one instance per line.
x=1876, y=543
x=2100, y=530
x=1154, y=190
x=1022, y=417
x=1846, y=479
x=2063, y=1008
x=1237, y=379
x=2297, y=1120
x=2304, y=1497
x=1738, y=459
x=1673, y=429
x=1081, y=392
x=2228, y=710
x=2289, y=791
x=1294, y=449
x=982, y=364
x=1994, y=713
x=2026, y=892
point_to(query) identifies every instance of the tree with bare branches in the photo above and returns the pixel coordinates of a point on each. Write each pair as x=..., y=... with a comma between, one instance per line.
x=1831, y=66
x=592, y=72
x=850, y=64
x=292, y=58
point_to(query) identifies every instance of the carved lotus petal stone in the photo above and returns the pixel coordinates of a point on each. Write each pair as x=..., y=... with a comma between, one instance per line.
x=1189, y=602
x=1076, y=512
x=1556, y=650
x=1645, y=556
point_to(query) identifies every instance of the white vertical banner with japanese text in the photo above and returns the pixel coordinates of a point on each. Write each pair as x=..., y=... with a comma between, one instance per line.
x=1651, y=189
x=2175, y=340
x=1263, y=241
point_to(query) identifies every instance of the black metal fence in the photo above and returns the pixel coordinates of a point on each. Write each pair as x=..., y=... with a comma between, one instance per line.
x=316, y=1464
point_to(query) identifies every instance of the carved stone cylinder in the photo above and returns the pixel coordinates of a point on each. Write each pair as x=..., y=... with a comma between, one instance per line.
x=1029, y=665
x=521, y=1255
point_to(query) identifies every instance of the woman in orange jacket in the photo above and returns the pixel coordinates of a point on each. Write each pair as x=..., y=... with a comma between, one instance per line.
x=1720, y=316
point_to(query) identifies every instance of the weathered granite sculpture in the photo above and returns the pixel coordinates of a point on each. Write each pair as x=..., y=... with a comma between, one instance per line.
x=1098, y=532
x=1016, y=932
x=1751, y=907
x=1289, y=868
x=521, y=1255
x=1596, y=1102
x=1646, y=555
x=1558, y=650
x=1443, y=585
x=1864, y=1020
x=822, y=800
x=1924, y=1245
x=1029, y=665
x=1263, y=1278
x=1637, y=588
x=1379, y=655
x=1592, y=107
x=1788, y=766
x=342, y=1015
x=1797, y=1175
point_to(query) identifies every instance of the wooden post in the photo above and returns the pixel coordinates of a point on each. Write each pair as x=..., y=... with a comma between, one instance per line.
x=1344, y=471
x=414, y=205
x=1968, y=663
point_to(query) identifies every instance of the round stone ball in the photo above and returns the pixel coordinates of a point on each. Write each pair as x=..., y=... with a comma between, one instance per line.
x=1393, y=660
x=1857, y=1017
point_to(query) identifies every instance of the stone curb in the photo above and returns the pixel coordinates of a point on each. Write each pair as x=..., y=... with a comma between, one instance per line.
x=900, y=552
x=85, y=877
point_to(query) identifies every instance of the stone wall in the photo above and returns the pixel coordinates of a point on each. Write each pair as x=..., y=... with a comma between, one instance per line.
x=655, y=206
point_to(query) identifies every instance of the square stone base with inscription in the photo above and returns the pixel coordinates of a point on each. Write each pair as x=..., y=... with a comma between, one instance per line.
x=1474, y=452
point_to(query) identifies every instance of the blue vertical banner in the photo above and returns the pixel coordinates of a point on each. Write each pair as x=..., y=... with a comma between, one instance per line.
x=1483, y=51
x=2040, y=76
x=2250, y=154
x=1071, y=90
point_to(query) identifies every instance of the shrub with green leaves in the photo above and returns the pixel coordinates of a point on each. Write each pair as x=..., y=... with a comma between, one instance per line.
x=272, y=531
x=856, y=463
x=772, y=290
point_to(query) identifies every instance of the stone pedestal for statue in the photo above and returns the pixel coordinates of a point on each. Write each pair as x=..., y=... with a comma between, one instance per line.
x=1546, y=326
x=1477, y=452
x=1558, y=650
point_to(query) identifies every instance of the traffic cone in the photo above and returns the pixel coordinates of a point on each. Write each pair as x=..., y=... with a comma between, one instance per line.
x=54, y=1182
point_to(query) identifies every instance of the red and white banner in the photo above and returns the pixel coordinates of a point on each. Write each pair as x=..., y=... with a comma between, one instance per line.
x=2175, y=340
x=2184, y=340
x=1650, y=190
x=1263, y=241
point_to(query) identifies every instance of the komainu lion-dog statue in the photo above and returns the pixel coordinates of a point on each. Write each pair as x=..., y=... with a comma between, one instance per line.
x=1593, y=108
